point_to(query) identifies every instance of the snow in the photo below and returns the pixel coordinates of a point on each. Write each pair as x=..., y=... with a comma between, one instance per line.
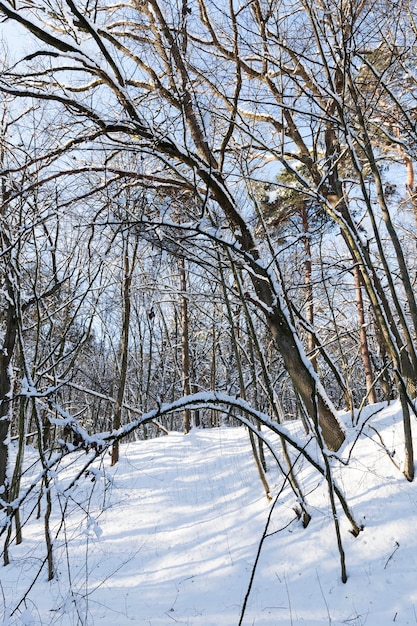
x=170, y=536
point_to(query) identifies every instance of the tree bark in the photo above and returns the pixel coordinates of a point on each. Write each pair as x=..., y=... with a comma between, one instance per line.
x=309, y=306
x=304, y=378
x=6, y=381
x=185, y=344
x=366, y=359
x=128, y=266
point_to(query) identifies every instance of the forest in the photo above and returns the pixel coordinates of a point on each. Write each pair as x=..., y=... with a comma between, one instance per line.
x=208, y=217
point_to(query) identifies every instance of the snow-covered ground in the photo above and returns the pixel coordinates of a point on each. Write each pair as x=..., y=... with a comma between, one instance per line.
x=170, y=536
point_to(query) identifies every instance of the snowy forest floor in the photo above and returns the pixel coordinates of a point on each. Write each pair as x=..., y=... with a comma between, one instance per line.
x=170, y=536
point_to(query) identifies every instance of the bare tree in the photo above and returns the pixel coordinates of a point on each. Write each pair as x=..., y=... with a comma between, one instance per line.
x=129, y=257
x=197, y=164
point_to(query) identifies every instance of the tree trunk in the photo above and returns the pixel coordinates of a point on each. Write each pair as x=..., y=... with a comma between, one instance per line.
x=185, y=344
x=410, y=179
x=366, y=359
x=124, y=344
x=408, y=438
x=309, y=306
x=410, y=186
x=6, y=380
x=304, y=380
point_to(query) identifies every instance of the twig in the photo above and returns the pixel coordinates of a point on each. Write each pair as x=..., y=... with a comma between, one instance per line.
x=397, y=545
x=389, y=454
x=324, y=598
x=289, y=600
x=265, y=534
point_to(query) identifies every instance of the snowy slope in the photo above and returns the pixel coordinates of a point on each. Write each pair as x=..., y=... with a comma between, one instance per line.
x=170, y=536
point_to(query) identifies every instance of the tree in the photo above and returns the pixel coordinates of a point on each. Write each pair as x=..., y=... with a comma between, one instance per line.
x=195, y=165
x=185, y=344
x=129, y=257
